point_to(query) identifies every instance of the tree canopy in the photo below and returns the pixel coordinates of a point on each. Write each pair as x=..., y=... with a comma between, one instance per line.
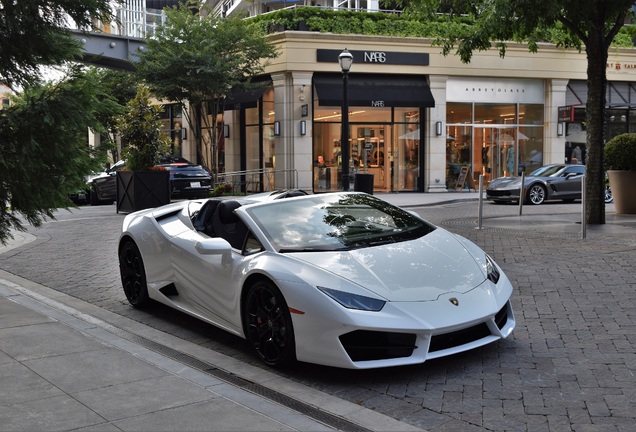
x=34, y=33
x=589, y=24
x=199, y=59
x=44, y=152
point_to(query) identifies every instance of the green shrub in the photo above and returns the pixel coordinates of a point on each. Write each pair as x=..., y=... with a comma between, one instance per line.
x=620, y=153
x=405, y=24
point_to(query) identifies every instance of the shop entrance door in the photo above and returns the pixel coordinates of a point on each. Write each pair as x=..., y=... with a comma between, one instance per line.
x=370, y=153
x=394, y=163
x=406, y=158
x=494, y=152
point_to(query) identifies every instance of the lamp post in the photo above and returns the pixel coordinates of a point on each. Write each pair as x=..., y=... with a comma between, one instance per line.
x=345, y=59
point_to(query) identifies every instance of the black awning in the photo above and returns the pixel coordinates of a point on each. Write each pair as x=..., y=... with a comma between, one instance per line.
x=374, y=90
x=618, y=94
x=246, y=98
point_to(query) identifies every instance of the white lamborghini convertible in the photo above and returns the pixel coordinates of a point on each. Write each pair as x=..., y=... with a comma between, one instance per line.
x=340, y=279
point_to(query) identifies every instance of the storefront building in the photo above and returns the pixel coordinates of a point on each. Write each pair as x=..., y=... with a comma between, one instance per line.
x=415, y=117
x=620, y=111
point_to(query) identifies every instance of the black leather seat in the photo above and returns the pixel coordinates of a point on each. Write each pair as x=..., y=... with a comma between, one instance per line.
x=227, y=225
x=203, y=220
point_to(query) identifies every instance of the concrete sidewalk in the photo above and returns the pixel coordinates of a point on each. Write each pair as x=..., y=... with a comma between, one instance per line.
x=63, y=367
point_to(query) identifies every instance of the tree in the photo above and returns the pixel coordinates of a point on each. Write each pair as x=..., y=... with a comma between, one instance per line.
x=34, y=33
x=198, y=59
x=590, y=23
x=140, y=129
x=121, y=86
x=44, y=153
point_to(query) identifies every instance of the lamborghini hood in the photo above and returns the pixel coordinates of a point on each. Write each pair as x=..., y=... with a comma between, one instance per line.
x=416, y=270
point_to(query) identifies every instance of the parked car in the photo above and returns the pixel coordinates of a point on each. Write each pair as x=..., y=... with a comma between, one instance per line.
x=79, y=197
x=547, y=183
x=187, y=180
x=609, y=198
x=340, y=279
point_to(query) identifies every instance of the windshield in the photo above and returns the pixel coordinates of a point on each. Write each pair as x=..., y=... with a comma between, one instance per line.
x=547, y=171
x=330, y=222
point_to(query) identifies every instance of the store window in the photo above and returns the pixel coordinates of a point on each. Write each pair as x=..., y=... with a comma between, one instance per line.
x=384, y=141
x=259, y=148
x=493, y=140
x=616, y=122
x=172, y=124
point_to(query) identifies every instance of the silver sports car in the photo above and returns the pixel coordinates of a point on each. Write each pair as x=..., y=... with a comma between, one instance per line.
x=340, y=279
x=550, y=182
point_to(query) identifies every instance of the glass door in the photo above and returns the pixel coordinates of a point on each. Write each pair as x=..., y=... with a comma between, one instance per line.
x=406, y=157
x=494, y=152
x=370, y=153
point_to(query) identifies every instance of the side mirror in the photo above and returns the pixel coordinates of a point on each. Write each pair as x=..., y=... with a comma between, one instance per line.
x=215, y=246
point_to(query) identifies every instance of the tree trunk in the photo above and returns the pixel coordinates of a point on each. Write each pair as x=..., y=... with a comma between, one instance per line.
x=198, y=139
x=595, y=125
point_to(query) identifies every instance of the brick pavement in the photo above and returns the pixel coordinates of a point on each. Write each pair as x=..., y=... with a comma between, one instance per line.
x=569, y=365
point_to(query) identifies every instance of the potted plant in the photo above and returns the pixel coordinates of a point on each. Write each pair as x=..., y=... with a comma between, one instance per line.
x=142, y=184
x=620, y=164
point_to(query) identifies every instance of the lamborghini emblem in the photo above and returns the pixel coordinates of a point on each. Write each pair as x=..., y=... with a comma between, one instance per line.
x=454, y=301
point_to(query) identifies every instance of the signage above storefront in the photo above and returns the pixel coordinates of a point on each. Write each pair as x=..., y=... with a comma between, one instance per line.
x=495, y=90
x=375, y=57
x=565, y=113
x=571, y=114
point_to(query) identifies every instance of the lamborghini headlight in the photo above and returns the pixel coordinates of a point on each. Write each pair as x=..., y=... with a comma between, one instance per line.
x=491, y=270
x=354, y=301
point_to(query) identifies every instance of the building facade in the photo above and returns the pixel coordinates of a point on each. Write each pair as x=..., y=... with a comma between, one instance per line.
x=416, y=117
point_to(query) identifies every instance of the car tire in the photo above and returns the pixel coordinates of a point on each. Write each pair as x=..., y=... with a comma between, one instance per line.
x=93, y=198
x=267, y=324
x=536, y=194
x=133, y=274
x=608, y=195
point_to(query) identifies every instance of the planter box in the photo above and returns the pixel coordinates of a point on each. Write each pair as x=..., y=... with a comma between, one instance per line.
x=623, y=185
x=139, y=190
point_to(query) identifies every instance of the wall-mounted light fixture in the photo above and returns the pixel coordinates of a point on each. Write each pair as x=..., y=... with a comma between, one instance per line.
x=438, y=128
x=226, y=131
x=303, y=127
x=276, y=128
x=559, y=129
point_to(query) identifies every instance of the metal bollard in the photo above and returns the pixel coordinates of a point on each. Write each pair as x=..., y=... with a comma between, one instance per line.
x=481, y=200
x=522, y=192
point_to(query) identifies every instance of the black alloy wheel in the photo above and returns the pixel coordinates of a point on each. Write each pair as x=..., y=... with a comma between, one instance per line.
x=267, y=324
x=537, y=194
x=133, y=274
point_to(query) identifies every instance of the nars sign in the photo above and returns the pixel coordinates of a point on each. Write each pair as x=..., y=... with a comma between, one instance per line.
x=377, y=104
x=374, y=57
x=381, y=57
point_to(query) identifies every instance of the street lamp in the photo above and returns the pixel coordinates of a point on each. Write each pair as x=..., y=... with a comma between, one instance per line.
x=346, y=60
